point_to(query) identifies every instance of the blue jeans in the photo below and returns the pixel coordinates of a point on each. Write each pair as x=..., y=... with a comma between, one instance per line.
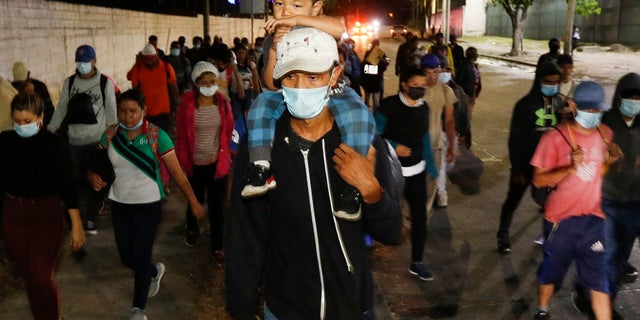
x=622, y=226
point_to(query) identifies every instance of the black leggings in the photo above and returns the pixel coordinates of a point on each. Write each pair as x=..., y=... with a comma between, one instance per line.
x=415, y=191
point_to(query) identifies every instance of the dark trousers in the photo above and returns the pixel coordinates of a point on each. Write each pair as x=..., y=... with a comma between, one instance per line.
x=622, y=227
x=161, y=120
x=415, y=191
x=89, y=199
x=33, y=232
x=135, y=226
x=518, y=183
x=202, y=182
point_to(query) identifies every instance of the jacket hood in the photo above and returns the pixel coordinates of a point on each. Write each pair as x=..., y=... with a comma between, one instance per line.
x=630, y=82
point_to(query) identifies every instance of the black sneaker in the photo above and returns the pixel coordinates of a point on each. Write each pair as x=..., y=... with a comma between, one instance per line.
x=259, y=180
x=191, y=237
x=629, y=270
x=504, y=245
x=420, y=270
x=347, y=205
x=582, y=303
x=542, y=315
x=90, y=228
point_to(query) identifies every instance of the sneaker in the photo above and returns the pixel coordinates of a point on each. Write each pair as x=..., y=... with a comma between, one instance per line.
x=442, y=199
x=90, y=228
x=542, y=315
x=420, y=270
x=347, y=205
x=539, y=240
x=137, y=314
x=154, y=287
x=504, y=245
x=191, y=237
x=259, y=180
x=629, y=270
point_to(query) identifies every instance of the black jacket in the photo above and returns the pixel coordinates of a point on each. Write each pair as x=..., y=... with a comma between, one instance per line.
x=270, y=239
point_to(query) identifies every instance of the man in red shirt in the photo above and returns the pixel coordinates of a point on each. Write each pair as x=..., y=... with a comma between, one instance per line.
x=155, y=79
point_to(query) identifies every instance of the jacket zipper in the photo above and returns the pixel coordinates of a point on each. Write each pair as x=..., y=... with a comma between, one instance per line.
x=323, y=307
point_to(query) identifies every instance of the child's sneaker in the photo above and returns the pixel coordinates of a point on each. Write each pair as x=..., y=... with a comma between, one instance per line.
x=259, y=180
x=347, y=205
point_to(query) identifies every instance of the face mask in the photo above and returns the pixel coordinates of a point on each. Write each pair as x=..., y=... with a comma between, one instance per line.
x=259, y=49
x=305, y=103
x=132, y=128
x=588, y=120
x=549, y=90
x=26, y=130
x=416, y=93
x=196, y=46
x=208, y=91
x=349, y=46
x=175, y=52
x=444, y=77
x=83, y=67
x=630, y=107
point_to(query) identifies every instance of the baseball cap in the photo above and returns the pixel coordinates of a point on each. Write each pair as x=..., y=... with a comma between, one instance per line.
x=629, y=85
x=20, y=71
x=202, y=67
x=85, y=53
x=429, y=61
x=305, y=49
x=149, y=50
x=589, y=95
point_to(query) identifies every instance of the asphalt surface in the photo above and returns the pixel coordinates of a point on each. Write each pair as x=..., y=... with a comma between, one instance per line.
x=471, y=280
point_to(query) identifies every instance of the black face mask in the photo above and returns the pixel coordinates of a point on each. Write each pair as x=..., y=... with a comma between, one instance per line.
x=554, y=47
x=416, y=93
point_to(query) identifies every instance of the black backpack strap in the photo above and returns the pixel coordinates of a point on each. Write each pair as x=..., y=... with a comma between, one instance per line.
x=103, y=84
x=72, y=78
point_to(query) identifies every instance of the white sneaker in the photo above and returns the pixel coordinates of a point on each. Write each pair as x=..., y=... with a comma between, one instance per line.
x=137, y=314
x=154, y=287
x=442, y=199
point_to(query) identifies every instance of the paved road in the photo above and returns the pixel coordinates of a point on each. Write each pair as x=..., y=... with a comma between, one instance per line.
x=471, y=280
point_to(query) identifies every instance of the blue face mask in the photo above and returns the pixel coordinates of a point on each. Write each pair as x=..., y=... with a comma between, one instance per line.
x=588, y=120
x=26, y=130
x=175, y=52
x=630, y=107
x=549, y=90
x=132, y=128
x=84, y=67
x=305, y=103
x=444, y=77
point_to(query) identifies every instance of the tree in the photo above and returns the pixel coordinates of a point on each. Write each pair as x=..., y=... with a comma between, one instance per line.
x=517, y=12
x=583, y=8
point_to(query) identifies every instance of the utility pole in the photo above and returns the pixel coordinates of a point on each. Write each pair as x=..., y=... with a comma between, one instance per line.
x=205, y=18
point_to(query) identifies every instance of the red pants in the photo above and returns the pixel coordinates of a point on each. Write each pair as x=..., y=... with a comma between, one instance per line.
x=33, y=231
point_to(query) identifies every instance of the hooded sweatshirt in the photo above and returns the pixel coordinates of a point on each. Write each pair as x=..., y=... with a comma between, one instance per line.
x=622, y=180
x=530, y=119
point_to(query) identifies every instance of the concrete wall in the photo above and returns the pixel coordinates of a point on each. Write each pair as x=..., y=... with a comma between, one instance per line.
x=619, y=22
x=474, y=19
x=45, y=34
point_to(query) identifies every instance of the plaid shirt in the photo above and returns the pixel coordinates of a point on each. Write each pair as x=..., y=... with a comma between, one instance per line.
x=353, y=118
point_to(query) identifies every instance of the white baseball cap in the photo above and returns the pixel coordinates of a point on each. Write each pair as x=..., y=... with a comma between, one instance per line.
x=305, y=49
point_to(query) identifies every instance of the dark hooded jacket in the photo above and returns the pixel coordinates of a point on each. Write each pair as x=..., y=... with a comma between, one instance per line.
x=622, y=180
x=530, y=119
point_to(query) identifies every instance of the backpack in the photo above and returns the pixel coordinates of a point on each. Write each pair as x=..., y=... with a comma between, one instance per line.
x=80, y=106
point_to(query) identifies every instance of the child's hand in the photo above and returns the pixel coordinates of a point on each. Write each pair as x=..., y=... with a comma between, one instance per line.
x=403, y=151
x=274, y=25
x=277, y=36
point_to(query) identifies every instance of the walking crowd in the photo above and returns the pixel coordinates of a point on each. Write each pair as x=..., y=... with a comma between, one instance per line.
x=301, y=160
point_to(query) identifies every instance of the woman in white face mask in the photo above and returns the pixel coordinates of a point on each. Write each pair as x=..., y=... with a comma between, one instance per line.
x=36, y=186
x=204, y=124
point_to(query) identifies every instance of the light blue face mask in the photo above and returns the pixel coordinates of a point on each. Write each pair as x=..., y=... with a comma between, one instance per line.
x=444, y=77
x=175, y=52
x=26, y=130
x=123, y=126
x=305, y=103
x=83, y=67
x=630, y=107
x=588, y=120
x=549, y=90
